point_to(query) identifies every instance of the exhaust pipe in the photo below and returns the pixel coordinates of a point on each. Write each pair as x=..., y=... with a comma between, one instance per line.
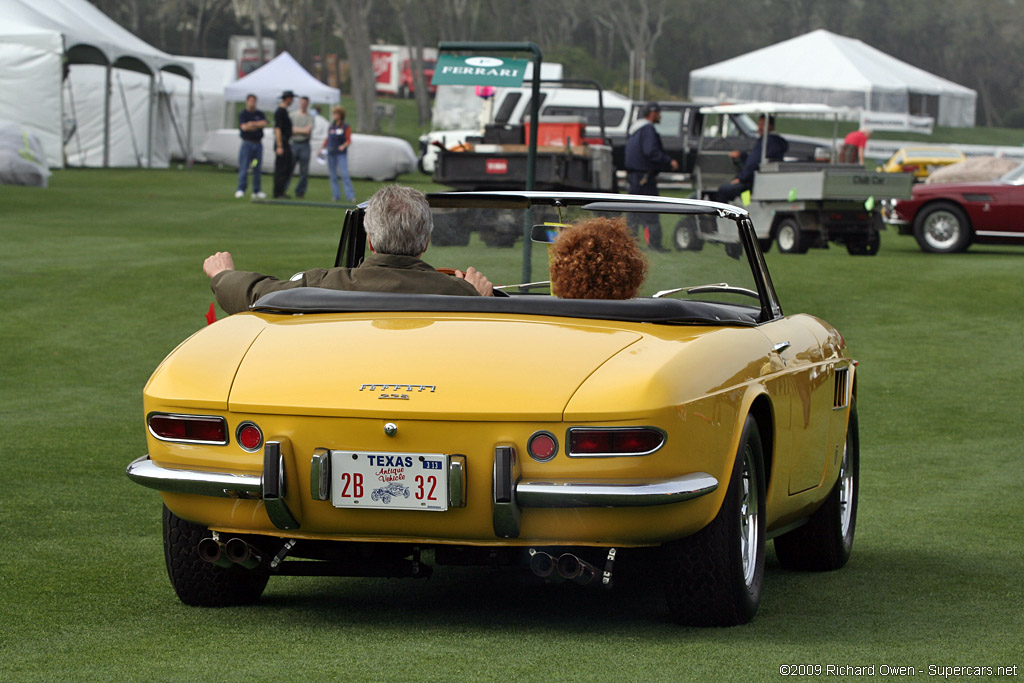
x=241, y=553
x=543, y=565
x=212, y=551
x=574, y=569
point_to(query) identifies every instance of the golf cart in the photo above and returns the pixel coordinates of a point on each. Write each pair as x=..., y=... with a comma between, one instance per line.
x=799, y=204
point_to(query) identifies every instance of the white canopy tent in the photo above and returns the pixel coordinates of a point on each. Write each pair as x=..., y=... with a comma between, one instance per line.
x=210, y=111
x=279, y=74
x=41, y=43
x=844, y=72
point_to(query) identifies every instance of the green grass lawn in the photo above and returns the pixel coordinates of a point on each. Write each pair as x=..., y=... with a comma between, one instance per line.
x=101, y=277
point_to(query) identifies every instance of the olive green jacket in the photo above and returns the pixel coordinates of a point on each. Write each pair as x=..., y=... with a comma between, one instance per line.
x=236, y=290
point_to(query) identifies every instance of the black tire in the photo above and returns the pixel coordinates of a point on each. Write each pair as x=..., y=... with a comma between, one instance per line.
x=686, y=237
x=825, y=541
x=766, y=244
x=942, y=228
x=714, y=577
x=196, y=581
x=790, y=238
x=869, y=246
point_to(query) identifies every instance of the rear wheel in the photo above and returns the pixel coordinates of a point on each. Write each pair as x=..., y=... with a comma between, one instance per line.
x=714, y=577
x=686, y=237
x=790, y=237
x=869, y=246
x=825, y=542
x=198, y=582
x=942, y=228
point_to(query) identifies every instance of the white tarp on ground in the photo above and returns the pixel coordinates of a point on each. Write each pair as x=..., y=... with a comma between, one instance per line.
x=22, y=160
x=279, y=74
x=39, y=39
x=371, y=156
x=843, y=72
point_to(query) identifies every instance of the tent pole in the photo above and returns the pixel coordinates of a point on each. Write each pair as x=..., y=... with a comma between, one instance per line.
x=188, y=128
x=149, y=128
x=106, y=117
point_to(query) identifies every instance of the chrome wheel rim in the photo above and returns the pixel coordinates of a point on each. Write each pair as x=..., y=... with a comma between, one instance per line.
x=786, y=238
x=748, y=518
x=683, y=238
x=941, y=229
x=845, y=492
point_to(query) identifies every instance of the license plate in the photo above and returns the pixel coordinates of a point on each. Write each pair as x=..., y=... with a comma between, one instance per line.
x=389, y=481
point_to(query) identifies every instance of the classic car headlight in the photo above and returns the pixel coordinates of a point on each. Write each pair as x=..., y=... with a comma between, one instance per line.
x=598, y=442
x=204, y=429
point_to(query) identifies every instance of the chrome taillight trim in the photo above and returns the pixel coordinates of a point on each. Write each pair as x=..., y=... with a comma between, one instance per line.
x=156, y=436
x=570, y=430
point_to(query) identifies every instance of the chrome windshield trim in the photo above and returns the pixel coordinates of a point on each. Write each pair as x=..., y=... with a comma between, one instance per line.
x=220, y=484
x=620, y=493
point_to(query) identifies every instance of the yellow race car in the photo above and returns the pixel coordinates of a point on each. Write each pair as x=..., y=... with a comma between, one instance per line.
x=362, y=434
x=921, y=161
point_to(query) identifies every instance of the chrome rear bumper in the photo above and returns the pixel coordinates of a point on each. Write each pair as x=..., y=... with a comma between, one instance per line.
x=511, y=492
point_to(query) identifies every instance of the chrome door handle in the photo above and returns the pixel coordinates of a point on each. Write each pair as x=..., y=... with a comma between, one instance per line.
x=781, y=346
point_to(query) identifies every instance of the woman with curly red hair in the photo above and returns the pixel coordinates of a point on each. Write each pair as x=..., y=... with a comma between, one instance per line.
x=597, y=259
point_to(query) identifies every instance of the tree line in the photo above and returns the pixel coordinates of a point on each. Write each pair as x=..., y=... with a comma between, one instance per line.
x=976, y=44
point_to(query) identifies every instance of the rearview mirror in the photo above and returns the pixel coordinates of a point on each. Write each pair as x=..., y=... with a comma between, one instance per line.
x=546, y=233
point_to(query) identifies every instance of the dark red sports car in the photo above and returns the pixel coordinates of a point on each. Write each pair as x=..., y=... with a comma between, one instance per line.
x=949, y=217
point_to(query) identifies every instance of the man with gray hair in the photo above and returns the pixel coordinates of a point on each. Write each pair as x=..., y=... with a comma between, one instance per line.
x=398, y=224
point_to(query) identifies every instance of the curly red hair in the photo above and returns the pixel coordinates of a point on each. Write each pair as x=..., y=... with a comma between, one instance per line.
x=597, y=259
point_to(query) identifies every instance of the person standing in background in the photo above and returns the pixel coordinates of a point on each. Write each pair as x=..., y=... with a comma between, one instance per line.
x=302, y=128
x=282, y=146
x=645, y=158
x=854, y=145
x=251, y=122
x=339, y=138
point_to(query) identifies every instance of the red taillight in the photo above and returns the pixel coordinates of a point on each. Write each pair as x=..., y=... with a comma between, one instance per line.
x=542, y=446
x=614, y=441
x=249, y=436
x=197, y=428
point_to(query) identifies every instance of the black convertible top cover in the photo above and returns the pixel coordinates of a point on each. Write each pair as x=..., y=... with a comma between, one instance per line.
x=667, y=311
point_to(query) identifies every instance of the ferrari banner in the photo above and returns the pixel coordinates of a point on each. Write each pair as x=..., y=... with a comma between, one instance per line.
x=454, y=70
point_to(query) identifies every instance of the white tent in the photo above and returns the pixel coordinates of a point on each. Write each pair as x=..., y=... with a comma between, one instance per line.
x=279, y=74
x=843, y=72
x=210, y=111
x=41, y=42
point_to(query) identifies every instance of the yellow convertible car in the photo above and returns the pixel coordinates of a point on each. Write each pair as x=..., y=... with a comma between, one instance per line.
x=347, y=433
x=921, y=161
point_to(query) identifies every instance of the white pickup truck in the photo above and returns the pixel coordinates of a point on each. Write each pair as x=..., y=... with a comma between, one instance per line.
x=460, y=114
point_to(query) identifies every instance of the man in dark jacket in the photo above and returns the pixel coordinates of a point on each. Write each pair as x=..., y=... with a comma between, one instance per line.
x=398, y=224
x=645, y=157
x=744, y=180
x=283, y=162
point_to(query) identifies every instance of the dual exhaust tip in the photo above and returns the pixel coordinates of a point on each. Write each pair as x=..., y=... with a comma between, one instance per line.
x=565, y=567
x=235, y=551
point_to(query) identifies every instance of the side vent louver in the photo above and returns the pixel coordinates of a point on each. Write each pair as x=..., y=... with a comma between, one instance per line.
x=842, y=395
